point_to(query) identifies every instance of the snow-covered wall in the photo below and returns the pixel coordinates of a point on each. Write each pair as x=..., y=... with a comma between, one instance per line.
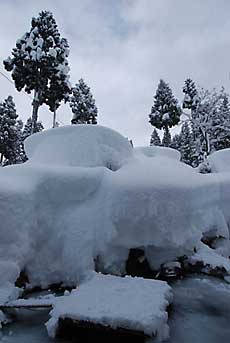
x=86, y=192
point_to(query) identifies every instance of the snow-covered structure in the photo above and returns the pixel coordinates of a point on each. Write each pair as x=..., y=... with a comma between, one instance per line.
x=105, y=300
x=86, y=197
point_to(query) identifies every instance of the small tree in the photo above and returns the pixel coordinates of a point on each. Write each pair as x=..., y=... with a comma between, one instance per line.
x=165, y=111
x=186, y=145
x=155, y=139
x=83, y=105
x=26, y=132
x=27, y=128
x=39, y=63
x=10, y=132
x=176, y=142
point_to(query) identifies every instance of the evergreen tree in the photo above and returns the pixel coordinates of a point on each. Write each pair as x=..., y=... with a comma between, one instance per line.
x=166, y=141
x=221, y=126
x=155, y=139
x=26, y=132
x=176, y=142
x=27, y=128
x=59, y=87
x=10, y=132
x=165, y=111
x=83, y=105
x=190, y=94
x=39, y=63
x=17, y=155
x=186, y=145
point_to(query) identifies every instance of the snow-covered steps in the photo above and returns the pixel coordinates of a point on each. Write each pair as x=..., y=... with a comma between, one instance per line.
x=134, y=305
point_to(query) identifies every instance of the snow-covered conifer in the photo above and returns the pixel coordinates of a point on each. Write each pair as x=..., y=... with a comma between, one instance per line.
x=165, y=111
x=10, y=132
x=221, y=126
x=176, y=142
x=155, y=139
x=83, y=105
x=39, y=64
x=27, y=128
x=190, y=94
x=186, y=144
x=26, y=132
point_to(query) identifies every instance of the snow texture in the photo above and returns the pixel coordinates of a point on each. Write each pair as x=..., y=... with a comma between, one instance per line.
x=86, y=195
x=154, y=151
x=220, y=161
x=210, y=258
x=130, y=303
x=82, y=146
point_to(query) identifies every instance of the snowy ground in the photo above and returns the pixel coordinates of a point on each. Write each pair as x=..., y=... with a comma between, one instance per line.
x=201, y=314
x=201, y=311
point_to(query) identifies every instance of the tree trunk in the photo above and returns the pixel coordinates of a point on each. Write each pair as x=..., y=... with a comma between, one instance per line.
x=1, y=160
x=35, y=105
x=54, y=118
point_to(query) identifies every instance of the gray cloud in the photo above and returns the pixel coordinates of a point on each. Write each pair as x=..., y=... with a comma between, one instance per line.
x=123, y=47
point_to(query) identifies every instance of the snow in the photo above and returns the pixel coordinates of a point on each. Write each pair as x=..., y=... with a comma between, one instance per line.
x=220, y=161
x=53, y=52
x=40, y=42
x=201, y=311
x=165, y=117
x=154, y=151
x=79, y=145
x=210, y=258
x=86, y=195
x=130, y=303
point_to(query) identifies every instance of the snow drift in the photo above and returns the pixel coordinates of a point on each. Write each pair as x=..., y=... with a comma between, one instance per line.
x=220, y=161
x=86, y=195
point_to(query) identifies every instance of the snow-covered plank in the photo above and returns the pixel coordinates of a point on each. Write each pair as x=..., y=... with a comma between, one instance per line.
x=28, y=303
x=134, y=304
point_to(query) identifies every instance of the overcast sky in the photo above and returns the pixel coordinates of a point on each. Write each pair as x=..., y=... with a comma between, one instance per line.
x=123, y=47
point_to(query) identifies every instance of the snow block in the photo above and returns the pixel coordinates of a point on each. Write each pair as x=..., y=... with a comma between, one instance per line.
x=79, y=145
x=128, y=303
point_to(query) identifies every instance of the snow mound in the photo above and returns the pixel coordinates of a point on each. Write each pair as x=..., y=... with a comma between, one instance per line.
x=79, y=145
x=130, y=303
x=59, y=217
x=156, y=151
x=219, y=161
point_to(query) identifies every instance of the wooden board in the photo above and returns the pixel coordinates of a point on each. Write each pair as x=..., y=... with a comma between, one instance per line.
x=71, y=329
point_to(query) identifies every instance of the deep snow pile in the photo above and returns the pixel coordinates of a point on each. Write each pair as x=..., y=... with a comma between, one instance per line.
x=85, y=195
x=219, y=161
x=128, y=303
x=80, y=146
x=156, y=151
